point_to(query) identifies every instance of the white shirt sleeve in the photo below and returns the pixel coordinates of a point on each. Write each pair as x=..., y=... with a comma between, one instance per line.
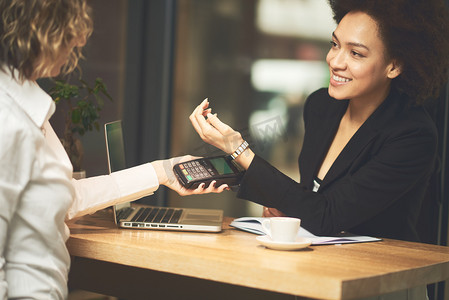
x=95, y=193
x=16, y=161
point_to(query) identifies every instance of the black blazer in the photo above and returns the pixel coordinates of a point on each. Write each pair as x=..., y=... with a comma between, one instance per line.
x=376, y=185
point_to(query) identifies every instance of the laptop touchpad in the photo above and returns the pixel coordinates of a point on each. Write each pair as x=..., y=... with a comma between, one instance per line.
x=202, y=217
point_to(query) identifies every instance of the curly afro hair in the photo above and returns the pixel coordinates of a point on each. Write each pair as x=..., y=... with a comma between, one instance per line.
x=416, y=34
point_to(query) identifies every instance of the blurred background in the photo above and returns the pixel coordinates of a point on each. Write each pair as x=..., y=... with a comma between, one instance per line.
x=256, y=61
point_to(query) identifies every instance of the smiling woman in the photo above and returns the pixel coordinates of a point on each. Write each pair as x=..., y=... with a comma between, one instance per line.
x=359, y=69
x=360, y=72
x=414, y=35
x=369, y=148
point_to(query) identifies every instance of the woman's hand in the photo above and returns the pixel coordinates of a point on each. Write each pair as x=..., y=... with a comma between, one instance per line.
x=213, y=131
x=218, y=134
x=165, y=175
x=269, y=212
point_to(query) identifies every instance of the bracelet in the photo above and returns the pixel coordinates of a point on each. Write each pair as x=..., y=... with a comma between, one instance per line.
x=240, y=150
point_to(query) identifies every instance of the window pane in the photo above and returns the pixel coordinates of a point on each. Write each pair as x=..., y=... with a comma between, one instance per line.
x=256, y=61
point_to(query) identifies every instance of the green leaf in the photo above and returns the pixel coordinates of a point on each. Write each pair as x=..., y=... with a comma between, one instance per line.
x=82, y=104
x=76, y=116
x=85, y=101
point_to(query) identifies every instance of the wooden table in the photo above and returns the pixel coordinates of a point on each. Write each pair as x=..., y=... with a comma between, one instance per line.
x=145, y=264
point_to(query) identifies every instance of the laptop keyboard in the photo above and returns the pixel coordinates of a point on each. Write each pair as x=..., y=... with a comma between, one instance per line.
x=157, y=215
x=124, y=213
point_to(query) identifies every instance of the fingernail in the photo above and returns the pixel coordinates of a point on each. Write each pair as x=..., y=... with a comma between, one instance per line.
x=209, y=115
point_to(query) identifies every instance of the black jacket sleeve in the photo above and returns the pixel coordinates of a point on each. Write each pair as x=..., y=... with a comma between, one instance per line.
x=375, y=186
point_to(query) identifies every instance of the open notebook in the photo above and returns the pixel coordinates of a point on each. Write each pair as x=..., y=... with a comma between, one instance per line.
x=152, y=217
x=254, y=225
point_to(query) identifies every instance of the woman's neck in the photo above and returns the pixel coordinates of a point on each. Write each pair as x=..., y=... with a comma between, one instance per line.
x=360, y=109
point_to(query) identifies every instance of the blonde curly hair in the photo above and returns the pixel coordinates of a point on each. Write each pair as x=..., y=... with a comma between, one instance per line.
x=34, y=33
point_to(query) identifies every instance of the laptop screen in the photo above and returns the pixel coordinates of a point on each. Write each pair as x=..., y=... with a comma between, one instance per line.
x=115, y=146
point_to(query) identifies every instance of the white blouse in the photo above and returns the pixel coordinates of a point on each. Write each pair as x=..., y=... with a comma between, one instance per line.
x=37, y=194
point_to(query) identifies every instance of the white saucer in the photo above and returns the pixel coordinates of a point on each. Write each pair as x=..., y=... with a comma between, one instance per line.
x=298, y=244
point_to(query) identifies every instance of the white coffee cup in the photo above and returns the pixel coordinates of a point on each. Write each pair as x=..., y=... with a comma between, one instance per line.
x=282, y=229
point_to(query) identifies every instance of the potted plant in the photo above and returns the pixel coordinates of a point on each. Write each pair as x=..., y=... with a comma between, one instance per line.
x=82, y=105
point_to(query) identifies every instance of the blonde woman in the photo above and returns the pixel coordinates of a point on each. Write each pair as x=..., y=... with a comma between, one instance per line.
x=41, y=38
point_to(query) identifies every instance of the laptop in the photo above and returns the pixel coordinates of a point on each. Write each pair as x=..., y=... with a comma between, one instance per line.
x=154, y=217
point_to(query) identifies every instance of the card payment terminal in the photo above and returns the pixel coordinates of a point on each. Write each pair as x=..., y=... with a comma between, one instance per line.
x=222, y=169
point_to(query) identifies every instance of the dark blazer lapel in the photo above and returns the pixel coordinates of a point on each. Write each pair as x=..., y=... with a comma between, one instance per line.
x=360, y=139
x=318, y=143
x=370, y=129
